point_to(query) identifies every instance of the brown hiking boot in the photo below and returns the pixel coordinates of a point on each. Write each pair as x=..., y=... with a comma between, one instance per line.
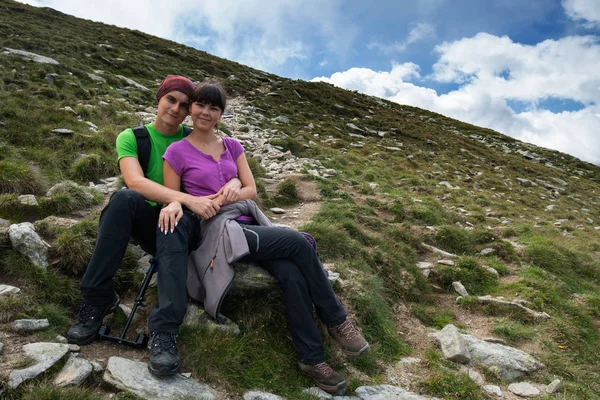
x=325, y=377
x=352, y=342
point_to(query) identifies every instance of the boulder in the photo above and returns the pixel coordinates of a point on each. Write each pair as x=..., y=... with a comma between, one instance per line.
x=31, y=56
x=26, y=241
x=507, y=362
x=5, y=290
x=251, y=278
x=74, y=373
x=493, y=390
x=45, y=356
x=196, y=316
x=134, y=377
x=453, y=345
x=28, y=200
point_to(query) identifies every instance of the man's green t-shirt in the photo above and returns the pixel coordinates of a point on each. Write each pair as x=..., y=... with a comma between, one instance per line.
x=127, y=147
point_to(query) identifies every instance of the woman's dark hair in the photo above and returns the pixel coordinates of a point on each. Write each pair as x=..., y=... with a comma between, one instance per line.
x=210, y=92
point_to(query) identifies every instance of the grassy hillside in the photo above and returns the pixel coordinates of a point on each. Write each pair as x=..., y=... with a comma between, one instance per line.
x=536, y=208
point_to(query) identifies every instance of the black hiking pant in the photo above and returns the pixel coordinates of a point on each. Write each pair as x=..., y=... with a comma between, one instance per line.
x=126, y=215
x=288, y=256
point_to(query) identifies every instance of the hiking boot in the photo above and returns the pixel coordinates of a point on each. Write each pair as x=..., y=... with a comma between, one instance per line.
x=325, y=377
x=90, y=320
x=164, y=359
x=352, y=342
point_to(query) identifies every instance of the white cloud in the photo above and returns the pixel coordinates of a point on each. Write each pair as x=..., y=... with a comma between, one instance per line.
x=583, y=10
x=265, y=34
x=493, y=70
x=418, y=32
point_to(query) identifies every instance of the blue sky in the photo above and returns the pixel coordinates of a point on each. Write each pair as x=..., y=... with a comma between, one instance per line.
x=529, y=69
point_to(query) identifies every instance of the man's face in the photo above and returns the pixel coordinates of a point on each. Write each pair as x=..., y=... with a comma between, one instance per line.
x=173, y=108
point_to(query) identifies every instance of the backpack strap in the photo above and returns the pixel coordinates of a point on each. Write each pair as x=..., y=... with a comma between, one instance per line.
x=187, y=130
x=143, y=145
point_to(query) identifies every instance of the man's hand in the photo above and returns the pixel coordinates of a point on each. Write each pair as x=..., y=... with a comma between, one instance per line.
x=230, y=192
x=169, y=217
x=206, y=206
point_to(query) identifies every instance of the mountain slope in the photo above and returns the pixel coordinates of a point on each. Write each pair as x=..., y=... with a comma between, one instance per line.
x=390, y=176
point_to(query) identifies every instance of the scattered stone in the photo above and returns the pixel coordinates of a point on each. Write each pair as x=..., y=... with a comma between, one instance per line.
x=134, y=377
x=553, y=386
x=493, y=390
x=446, y=262
x=5, y=290
x=45, y=356
x=63, y=132
x=96, y=78
x=70, y=187
x=424, y=265
x=386, y=392
x=513, y=304
x=445, y=183
x=277, y=210
x=74, y=373
x=31, y=56
x=1, y=347
x=97, y=366
x=4, y=223
x=186, y=374
x=487, y=251
x=283, y=119
x=526, y=182
x=507, y=362
x=356, y=128
x=473, y=374
x=550, y=207
x=133, y=83
x=253, y=395
x=30, y=325
x=26, y=241
x=409, y=360
x=524, y=389
x=436, y=250
x=317, y=393
x=61, y=339
x=491, y=270
x=453, y=345
x=333, y=276
x=460, y=289
x=73, y=348
x=28, y=200
x=51, y=77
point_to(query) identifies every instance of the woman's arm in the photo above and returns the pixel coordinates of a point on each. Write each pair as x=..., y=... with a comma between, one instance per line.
x=248, y=190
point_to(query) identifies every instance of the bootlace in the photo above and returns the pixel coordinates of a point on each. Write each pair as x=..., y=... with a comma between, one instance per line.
x=164, y=341
x=347, y=329
x=323, y=368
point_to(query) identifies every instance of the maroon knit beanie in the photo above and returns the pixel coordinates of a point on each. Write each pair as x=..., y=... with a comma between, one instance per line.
x=175, y=82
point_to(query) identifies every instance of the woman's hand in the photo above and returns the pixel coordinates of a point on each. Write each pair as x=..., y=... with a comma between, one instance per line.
x=169, y=217
x=230, y=192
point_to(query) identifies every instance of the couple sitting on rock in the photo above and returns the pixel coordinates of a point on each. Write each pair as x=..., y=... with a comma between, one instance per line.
x=216, y=206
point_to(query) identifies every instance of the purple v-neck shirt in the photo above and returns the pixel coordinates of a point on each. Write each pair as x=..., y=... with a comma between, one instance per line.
x=201, y=174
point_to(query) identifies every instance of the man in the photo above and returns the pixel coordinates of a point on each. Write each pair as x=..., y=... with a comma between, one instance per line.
x=134, y=212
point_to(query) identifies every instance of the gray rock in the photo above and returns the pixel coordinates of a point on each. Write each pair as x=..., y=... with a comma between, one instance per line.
x=446, y=262
x=67, y=187
x=373, y=185
x=446, y=184
x=97, y=366
x=487, y=251
x=454, y=347
x=473, y=374
x=283, y=119
x=493, y=390
x=386, y=392
x=513, y=304
x=424, y=265
x=436, y=250
x=31, y=56
x=30, y=325
x=5, y=290
x=61, y=339
x=460, y=289
x=254, y=395
x=507, y=362
x=251, y=278
x=134, y=377
x=356, y=128
x=318, y=393
x=524, y=389
x=26, y=241
x=553, y=386
x=133, y=83
x=526, y=182
x=409, y=360
x=96, y=78
x=28, y=200
x=74, y=348
x=491, y=271
x=1, y=347
x=45, y=356
x=51, y=77
x=63, y=132
x=346, y=398
x=4, y=223
x=196, y=316
x=277, y=210
x=74, y=373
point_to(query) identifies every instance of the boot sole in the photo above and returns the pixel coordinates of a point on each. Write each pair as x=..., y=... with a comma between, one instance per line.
x=112, y=309
x=164, y=372
x=338, y=390
x=364, y=350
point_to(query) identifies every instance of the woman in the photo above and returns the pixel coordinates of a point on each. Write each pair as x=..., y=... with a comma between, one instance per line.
x=202, y=163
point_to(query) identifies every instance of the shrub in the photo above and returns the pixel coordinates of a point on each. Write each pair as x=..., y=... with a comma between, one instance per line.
x=92, y=167
x=454, y=239
x=17, y=177
x=475, y=279
x=287, y=194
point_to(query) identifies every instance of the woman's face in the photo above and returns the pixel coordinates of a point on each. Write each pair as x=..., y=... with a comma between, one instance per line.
x=205, y=116
x=173, y=107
